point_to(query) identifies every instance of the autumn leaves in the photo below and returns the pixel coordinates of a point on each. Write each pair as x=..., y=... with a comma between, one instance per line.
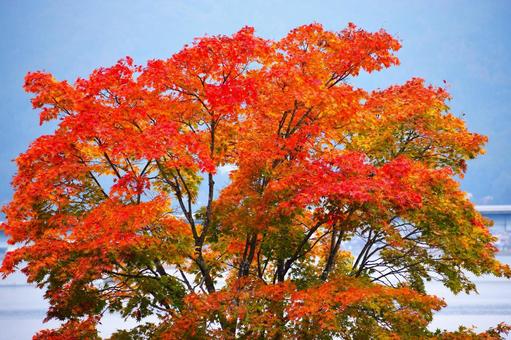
x=105, y=208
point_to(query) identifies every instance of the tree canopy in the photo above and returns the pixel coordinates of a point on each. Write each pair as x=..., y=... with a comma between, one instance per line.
x=107, y=216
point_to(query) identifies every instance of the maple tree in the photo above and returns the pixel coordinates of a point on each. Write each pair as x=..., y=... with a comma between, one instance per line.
x=107, y=217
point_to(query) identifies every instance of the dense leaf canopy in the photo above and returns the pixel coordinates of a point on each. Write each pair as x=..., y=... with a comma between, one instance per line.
x=106, y=214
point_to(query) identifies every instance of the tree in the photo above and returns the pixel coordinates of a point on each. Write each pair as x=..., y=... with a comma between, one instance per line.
x=107, y=215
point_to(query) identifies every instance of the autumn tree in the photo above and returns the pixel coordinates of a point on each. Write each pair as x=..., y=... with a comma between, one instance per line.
x=107, y=218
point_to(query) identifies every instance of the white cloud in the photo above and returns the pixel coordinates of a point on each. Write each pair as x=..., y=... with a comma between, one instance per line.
x=487, y=199
x=226, y=169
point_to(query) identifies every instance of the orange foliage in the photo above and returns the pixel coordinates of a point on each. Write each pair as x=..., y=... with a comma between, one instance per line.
x=107, y=217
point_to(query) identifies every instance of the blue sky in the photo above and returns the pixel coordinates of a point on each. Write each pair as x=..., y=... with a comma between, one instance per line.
x=466, y=43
